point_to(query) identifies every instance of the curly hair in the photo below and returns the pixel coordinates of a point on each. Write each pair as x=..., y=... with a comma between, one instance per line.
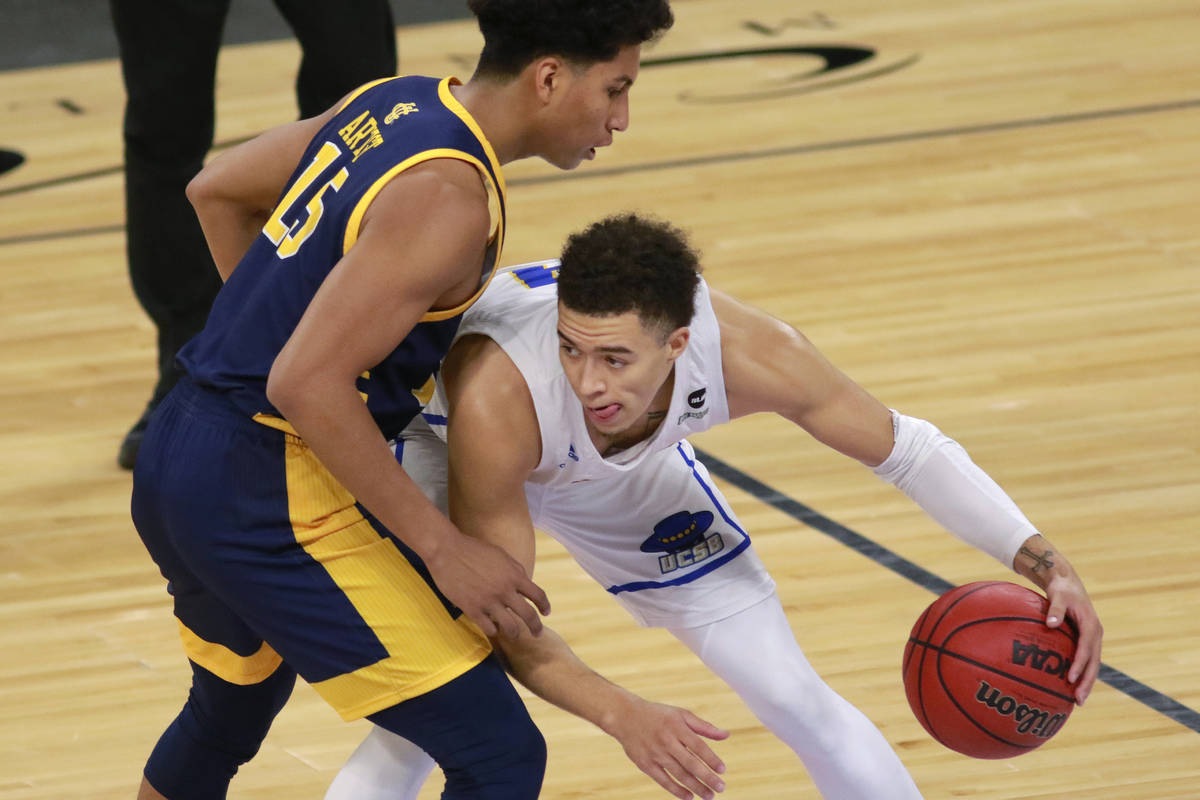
x=629, y=262
x=515, y=32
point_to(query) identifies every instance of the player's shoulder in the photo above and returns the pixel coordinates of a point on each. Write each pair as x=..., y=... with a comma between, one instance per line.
x=478, y=374
x=489, y=399
x=448, y=189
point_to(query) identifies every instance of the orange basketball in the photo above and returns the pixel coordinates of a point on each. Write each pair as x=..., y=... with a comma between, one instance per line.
x=983, y=673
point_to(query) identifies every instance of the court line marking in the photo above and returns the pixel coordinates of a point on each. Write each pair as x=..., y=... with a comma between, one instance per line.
x=681, y=163
x=881, y=555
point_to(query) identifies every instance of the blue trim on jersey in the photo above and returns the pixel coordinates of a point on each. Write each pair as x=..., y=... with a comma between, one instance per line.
x=637, y=586
x=434, y=419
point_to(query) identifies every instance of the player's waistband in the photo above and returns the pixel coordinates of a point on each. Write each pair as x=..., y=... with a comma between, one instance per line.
x=206, y=403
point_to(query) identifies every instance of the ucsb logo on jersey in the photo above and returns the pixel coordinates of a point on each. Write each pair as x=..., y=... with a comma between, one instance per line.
x=684, y=540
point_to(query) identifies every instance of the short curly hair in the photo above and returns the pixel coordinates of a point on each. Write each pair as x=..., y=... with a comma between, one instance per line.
x=584, y=32
x=631, y=262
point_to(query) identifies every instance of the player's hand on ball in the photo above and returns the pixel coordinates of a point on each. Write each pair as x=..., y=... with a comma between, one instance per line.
x=1069, y=600
x=667, y=743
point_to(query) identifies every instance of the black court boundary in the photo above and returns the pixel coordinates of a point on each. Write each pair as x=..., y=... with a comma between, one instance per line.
x=699, y=161
x=1118, y=680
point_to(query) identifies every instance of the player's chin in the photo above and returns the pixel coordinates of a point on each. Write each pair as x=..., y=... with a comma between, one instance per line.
x=574, y=160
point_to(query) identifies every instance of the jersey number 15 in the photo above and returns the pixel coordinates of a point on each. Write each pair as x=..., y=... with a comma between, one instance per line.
x=287, y=238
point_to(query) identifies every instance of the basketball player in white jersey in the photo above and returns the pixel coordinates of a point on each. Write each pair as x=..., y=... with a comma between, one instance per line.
x=568, y=394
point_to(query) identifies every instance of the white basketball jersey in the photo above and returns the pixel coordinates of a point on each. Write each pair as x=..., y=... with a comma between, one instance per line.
x=519, y=311
x=648, y=524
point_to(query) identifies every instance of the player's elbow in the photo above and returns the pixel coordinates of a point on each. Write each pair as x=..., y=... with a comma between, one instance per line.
x=285, y=390
x=202, y=190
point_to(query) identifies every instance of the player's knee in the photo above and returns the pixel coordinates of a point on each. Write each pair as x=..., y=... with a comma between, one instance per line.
x=221, y=727
x=806, y=713
x=513, y=772
x=528, y=754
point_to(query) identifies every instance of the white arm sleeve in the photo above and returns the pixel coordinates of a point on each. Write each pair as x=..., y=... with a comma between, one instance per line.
x=935, y=471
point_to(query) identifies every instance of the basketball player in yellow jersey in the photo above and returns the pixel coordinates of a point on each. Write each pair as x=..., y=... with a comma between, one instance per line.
x=265, y=491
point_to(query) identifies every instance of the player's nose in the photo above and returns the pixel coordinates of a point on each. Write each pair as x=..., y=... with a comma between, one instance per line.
x=591, y=380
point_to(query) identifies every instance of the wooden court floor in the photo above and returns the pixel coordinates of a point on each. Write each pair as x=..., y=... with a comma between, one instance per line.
x=987, y=214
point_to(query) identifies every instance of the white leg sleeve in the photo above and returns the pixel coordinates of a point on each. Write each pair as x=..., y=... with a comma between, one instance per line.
x=384, y=767
x=939, y=476
x=845, y=754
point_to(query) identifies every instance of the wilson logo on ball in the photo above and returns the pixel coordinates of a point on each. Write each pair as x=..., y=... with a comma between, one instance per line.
x=1029, y=719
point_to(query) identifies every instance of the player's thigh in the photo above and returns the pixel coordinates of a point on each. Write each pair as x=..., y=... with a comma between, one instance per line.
x=259, y=524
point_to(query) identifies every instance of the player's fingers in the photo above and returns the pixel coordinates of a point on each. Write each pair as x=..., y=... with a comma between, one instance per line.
x=484, y=622
x=698, y=749
x=1084, y=688
x=1054, y=616
x=691, y=773
x=705, y=755
x=664, y=780
x=514, y=624
x=1086, y=668
x=524, y=615
x=535, y=594
x=703, y=727
x=1087, y=648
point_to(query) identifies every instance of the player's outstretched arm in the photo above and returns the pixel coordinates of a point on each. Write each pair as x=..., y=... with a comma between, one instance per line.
x=494, y=443
x=771, y=367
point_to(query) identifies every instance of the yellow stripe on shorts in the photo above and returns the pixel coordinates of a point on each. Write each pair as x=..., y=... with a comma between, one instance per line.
x=226, y=664
x=426, y=647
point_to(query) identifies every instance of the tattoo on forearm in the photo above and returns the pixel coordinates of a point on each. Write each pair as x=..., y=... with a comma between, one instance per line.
x=1039, y=560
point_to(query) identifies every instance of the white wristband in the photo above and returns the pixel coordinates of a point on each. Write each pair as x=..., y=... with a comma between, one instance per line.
x=936, y=472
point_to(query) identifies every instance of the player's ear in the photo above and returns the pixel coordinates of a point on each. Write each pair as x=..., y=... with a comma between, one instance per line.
x=548, y=74
x=677, y=342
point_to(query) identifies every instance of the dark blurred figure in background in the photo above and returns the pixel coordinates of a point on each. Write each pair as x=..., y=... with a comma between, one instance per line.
x=168, y=54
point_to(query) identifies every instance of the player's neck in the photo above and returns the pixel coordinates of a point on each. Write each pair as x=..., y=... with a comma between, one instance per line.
x=609, y=444
x=496, y=107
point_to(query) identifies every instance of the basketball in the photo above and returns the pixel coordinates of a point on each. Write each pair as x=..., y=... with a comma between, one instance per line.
x=984, y=675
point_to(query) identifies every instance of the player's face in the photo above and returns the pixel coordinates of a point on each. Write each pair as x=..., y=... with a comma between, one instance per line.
x=591, y=105
x=615, y=365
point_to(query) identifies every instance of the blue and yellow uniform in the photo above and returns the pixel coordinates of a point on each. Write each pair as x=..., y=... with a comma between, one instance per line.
x=273, y=565
x=385, y=129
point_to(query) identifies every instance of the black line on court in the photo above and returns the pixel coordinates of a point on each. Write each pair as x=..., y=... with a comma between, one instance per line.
x=839, y=144
x=50, y=236
x=871, y=141
x=1118, y=680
